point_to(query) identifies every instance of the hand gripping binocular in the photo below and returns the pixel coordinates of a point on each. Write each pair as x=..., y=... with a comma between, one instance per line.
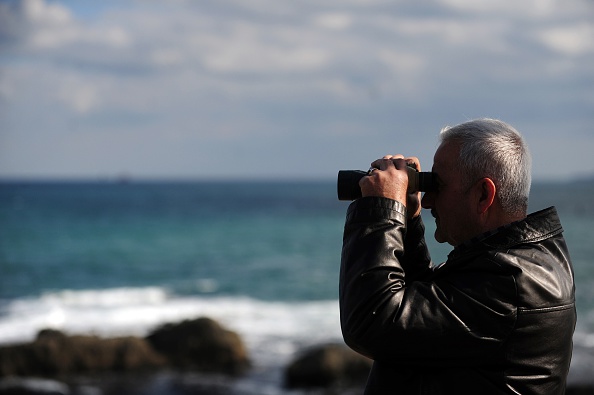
x=348, y=182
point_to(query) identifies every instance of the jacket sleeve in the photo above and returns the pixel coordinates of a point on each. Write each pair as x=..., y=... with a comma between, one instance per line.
x=393, y=307
x=415, y=260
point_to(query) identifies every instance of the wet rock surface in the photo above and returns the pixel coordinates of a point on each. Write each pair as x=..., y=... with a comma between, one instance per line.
x=201, y=344
x=327, y=365
x=189, y=357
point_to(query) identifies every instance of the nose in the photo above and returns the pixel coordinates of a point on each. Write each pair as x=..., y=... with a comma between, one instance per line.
x=428, y=200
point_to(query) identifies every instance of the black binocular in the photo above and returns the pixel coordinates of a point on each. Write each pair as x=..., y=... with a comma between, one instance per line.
x=348, y=182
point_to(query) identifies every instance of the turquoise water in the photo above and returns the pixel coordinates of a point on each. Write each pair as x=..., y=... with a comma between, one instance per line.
x=267, y=241
x=261, y=257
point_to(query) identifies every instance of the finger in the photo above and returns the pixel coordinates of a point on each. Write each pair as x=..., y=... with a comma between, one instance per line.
x=399, y=163
x=414, y=161
x=386, y=161
x=397, y=156
x=376, y=164
x=382, y=164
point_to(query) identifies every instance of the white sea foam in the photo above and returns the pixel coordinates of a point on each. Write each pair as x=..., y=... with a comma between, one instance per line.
x=272, y=330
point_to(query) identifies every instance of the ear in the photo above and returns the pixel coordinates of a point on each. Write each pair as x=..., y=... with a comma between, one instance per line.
x=486, y=194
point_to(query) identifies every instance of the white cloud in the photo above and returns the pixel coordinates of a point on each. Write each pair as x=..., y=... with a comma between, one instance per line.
x=41, y=13
x=248, y=52
x=333, y=21
x=34, y=21
x=573, y=40
x=510, y=8
x=284, y=72
x=167, y=57
x=80, y=96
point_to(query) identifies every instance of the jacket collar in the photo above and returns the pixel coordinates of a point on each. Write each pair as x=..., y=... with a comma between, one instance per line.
x=535, y=227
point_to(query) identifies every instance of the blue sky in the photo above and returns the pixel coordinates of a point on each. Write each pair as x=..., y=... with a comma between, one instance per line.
x=285, y=89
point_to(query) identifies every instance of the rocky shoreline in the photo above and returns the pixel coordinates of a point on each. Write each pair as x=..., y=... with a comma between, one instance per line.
x=190, y=357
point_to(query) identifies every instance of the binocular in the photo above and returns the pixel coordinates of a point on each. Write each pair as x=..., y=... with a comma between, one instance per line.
x=348, y=182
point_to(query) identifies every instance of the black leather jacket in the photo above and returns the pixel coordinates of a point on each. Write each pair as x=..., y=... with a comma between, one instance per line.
x=496, y=318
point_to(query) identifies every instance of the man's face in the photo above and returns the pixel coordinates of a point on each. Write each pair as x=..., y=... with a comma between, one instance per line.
x=451, y=203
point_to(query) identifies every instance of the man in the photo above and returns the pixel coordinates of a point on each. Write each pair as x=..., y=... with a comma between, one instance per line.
x=498, y=316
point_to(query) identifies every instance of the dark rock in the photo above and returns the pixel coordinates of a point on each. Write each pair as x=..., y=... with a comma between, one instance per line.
x=326, y=366
x=55, y=354
x=201, y=344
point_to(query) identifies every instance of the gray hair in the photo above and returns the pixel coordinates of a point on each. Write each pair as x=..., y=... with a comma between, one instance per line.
x=491, y=148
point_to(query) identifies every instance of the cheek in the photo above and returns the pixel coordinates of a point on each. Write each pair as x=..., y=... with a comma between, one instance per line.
x=445, y=204
x=450, y=212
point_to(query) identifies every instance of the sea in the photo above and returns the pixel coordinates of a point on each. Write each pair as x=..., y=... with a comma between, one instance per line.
x=118, y=258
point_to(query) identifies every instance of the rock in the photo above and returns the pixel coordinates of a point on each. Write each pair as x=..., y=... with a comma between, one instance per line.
x=327, y=365
x=55, y=354
x=201, y=344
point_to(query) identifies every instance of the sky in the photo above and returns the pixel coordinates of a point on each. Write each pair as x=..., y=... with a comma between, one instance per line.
x=285, y=89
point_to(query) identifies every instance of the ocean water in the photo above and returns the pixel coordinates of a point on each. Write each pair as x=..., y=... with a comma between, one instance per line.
x=260, y=257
